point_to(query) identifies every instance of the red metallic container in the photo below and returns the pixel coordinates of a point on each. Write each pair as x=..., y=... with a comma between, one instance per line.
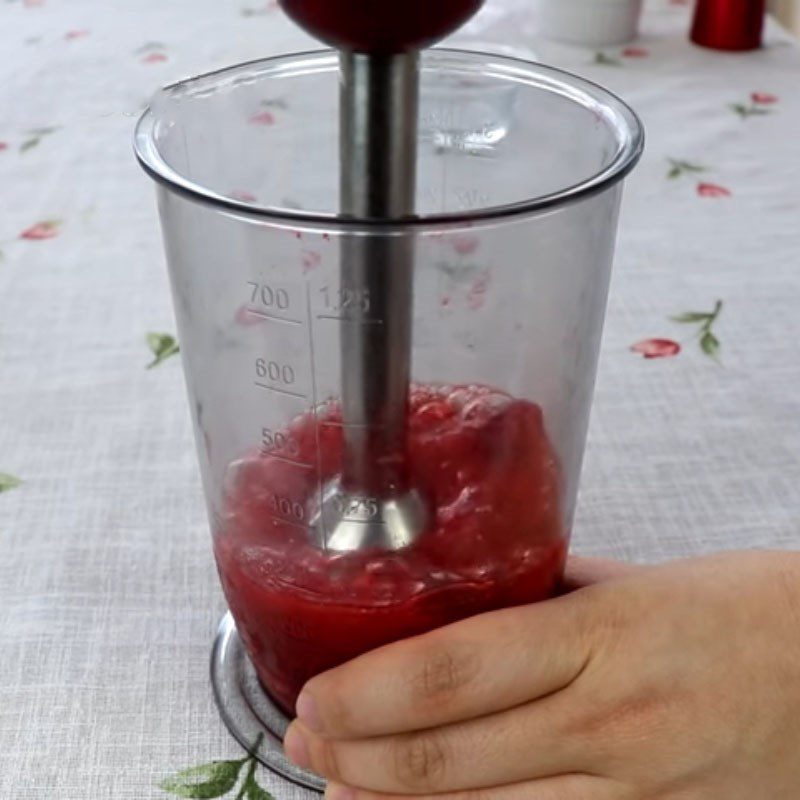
x=729, y=24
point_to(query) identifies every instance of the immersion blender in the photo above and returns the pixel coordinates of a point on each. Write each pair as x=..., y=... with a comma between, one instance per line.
x=374, y=505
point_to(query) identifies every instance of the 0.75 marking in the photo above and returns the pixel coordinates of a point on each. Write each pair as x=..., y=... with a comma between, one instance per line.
x=356, y=509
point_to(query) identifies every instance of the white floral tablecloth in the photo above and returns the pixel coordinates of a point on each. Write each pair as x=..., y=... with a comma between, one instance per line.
x=108, y=595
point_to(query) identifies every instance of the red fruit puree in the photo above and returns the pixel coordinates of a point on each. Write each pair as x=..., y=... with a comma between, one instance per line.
x=481, y=460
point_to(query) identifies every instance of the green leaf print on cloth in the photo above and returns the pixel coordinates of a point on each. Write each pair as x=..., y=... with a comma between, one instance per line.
x=162, y=346
x=218, y=779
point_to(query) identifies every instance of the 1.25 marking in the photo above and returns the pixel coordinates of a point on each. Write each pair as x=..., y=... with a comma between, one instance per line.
x=346, y=299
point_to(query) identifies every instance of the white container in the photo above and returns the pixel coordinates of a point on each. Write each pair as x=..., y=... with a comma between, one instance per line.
x=598, y=23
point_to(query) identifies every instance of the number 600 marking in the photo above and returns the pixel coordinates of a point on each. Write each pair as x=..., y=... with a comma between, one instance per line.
x=278, y=373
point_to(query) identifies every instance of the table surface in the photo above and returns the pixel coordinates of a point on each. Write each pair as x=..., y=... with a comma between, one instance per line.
x=108, y=595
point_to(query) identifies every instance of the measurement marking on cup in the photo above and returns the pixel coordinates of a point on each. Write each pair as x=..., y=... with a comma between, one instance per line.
x=334, y=424
x=359, y=320
x=272, y=317
x=298, y=395
x=312, y=360
x=290, y=461
x=287, y=522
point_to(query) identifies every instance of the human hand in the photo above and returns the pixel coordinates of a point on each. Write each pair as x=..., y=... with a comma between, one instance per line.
x=678, y=682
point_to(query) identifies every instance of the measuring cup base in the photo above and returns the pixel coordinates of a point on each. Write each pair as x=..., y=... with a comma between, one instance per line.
x=248, y=711
x=345, y=521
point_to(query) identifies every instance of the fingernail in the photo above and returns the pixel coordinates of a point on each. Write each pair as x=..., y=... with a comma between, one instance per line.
x=336, y=791
x=307, y=711
x=296, y=749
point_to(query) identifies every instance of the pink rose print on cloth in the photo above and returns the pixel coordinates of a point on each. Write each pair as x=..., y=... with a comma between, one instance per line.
x=679, y=167
x=33, y=3
x=264, y=118
x=656, y=348
x=710, y=345
x=152, y=53
x=70, y=36
x=757, y=105
x=3, y=146
x=47, y=229
x=465, y=244
x=713, y=190
x=632, y=51
x=764, y=98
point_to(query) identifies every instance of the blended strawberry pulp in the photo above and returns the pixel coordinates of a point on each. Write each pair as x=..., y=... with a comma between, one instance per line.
x=482, y=462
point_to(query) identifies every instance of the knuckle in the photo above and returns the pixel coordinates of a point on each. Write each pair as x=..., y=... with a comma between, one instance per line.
x=443, y=673
x=610, y=621
x=640, y=716
x=420, y=762
x=325, y=759
x=331, y=692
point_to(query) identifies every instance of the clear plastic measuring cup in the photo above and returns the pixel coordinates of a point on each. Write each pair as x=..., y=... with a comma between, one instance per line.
x=520, y=172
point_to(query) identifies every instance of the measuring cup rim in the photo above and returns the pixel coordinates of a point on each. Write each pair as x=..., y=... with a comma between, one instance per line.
x=573, y=87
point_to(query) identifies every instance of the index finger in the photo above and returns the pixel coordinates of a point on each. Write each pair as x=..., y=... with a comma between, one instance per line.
x=482, y=665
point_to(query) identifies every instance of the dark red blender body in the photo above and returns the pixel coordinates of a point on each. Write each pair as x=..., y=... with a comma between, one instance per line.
x=367, y=26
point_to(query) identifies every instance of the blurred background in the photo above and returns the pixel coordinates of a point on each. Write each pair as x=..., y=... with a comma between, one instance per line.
x=788, y=12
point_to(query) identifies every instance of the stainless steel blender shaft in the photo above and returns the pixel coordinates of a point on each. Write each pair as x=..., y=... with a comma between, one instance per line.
x=378, y=157
x=373, y=505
